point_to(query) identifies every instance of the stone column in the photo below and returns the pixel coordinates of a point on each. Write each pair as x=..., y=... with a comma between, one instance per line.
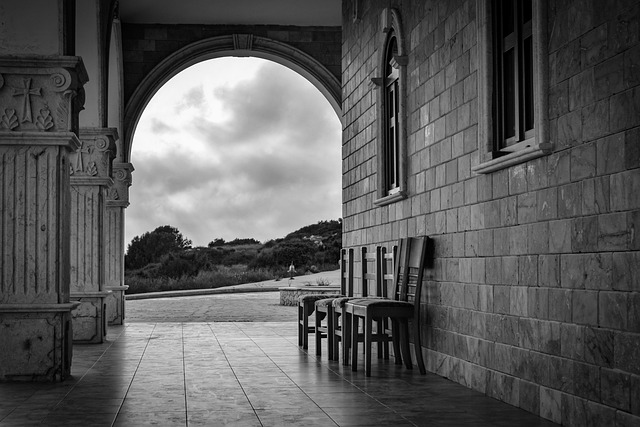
x=117, y=202
x=90, y=168
x=40, y=97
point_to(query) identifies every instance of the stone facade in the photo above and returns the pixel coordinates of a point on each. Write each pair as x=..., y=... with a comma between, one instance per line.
x=146, y=45
x=534, y=293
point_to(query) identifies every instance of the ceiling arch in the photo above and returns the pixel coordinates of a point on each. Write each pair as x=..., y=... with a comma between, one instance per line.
x=239, y=45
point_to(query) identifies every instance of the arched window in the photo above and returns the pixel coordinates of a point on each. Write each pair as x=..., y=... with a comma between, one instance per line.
x=390, y=87
x=391, y=119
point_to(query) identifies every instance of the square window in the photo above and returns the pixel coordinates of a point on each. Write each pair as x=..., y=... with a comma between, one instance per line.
x=513, y=88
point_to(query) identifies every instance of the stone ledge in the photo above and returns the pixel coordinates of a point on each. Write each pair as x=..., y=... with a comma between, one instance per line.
x=37, y=308
x=289, y=295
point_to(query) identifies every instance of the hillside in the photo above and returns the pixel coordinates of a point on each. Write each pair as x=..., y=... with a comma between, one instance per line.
x=312, y=248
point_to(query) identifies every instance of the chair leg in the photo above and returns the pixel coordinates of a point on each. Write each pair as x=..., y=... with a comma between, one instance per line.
x=384, y=324
x=404, y=343
x=336, y=338
x=330, y=331
x=318, y=333
x=305, y=326
x=346, y=336
x=418, y=349
x=368, y=326
x=300, y=314
x=395, y=335
x=354, y=342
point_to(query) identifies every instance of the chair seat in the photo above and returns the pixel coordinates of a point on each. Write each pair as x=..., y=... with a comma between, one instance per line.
x=379, y=302
x=325, y=302
x=316, y=297
x=341, y=302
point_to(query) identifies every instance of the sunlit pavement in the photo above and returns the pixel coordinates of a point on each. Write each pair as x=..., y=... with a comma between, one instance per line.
x=204, y=371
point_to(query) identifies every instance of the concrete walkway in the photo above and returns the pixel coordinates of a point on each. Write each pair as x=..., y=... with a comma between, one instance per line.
x=240, y=374
x=232, y=359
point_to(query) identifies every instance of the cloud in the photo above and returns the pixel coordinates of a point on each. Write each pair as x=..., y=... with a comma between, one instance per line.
x=265, y=167
x=160, y=127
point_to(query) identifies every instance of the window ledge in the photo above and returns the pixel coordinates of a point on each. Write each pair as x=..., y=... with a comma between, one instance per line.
x=391, y=198
x=511, y=159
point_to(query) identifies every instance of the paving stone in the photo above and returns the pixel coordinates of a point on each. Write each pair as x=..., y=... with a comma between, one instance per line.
x=569, y=200
x=528, y=270
x=613, y=310
x=613, y=232
x=570, y=129
x=585, y=307
x=627, y=352
x=549, y=271
x=599, y=346
x=615, y=389
x=584, y=234
x=560, y=304
x=551, y=404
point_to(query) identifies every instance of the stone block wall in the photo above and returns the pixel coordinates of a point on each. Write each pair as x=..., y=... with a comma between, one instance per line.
x=534, y=294
x=146, y=45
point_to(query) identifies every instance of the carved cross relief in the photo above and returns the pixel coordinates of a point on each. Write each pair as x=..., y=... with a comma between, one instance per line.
x=79, y=166
x=26, y=92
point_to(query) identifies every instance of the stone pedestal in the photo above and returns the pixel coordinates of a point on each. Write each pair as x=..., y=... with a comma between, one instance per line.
x=117, y=202
x=90, y=170
x=39, y=103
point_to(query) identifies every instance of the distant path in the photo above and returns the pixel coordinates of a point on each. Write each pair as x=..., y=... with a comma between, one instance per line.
x=228, y=307
x=248, y=307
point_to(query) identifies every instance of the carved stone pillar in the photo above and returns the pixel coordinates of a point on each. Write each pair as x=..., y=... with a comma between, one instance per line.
x=117, y=202
x=90, y=168
x=40, y=98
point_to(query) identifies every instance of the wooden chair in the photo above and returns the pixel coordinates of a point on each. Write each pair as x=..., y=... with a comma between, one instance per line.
x=306, y=303
x=371, y=279
x=324, y=307
x=405, y=306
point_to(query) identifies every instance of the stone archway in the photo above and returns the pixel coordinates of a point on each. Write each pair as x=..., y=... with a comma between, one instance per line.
x=240, y=45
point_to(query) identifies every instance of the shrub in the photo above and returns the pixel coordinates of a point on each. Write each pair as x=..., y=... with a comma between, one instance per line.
x=209, y=279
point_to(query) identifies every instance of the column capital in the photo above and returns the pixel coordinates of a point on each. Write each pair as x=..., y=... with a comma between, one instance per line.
x=91, y=163
x=43, y=94
x=118, y=194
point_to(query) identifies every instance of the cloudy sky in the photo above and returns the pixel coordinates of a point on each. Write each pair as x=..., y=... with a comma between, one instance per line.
x=235, y=147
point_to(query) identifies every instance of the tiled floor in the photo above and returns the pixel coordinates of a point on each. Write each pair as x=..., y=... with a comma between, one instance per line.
x=239, y=374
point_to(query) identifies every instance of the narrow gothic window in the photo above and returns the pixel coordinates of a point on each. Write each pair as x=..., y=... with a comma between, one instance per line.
x=390, y=87
x=391, y=113
x=513, y=40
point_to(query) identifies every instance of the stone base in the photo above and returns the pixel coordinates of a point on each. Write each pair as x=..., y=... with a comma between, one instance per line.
x=37, y=340
x=289, y=295
x=89, y=318
x=115, y=305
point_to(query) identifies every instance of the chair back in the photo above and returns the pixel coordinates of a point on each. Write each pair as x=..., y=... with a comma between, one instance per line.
x=346, y=272
x=409, y=269
x=387, y=270
x=371, y=271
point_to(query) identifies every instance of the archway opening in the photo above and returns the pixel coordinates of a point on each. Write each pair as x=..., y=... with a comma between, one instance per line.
x=235, y=148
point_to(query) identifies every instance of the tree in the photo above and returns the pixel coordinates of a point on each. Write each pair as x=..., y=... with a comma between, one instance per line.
x=151, y=246
x=216, y=242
